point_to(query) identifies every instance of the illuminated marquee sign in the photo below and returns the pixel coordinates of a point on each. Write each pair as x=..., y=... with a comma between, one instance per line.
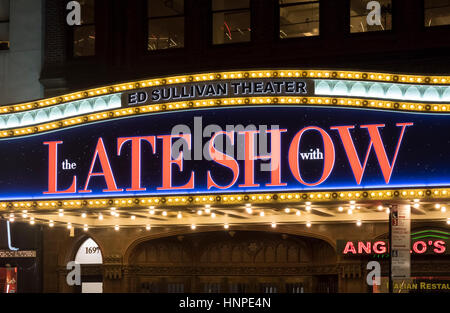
x=307, y=147
x=235, y=88
x=427, y=242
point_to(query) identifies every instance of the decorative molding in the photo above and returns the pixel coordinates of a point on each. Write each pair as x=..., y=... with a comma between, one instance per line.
x=232, y=270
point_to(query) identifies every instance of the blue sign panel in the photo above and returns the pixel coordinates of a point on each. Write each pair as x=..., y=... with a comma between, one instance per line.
x=243, y=149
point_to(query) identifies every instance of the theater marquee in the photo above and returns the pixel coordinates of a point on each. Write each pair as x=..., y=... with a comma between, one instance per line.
x=260, y=134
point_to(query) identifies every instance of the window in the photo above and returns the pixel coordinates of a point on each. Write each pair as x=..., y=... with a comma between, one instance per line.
x=4, y=24
x=211, y=287
x=437, y=12
x=294, y=288
x=84, y=34
x=165, y=24
x=238, y=287
x=359, y=14
x=175, y=288
x=268, y=288
x=230, y=21
x=299, y=18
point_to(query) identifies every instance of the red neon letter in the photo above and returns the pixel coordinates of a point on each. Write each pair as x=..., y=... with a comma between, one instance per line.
x=167, y=162
x=365, y=247
x=329, y=155
x=379, y=247
x=349, y=247
x=106, y=172
x=377, y=143
x=53, y=170
x=250, y=157
x=439, y=246
x=417, y=249
x=135, y=158
x=222, y=159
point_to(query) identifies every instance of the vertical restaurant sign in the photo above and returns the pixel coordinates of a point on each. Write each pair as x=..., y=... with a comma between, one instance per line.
x=400, y=241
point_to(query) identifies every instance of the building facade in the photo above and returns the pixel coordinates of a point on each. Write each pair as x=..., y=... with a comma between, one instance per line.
x=137, y=69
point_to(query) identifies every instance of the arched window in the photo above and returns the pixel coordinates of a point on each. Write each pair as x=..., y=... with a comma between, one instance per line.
x=89, y=254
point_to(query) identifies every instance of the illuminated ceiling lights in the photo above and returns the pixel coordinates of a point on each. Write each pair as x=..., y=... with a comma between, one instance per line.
x=116, y=228
x=308, y=224
x=193, y=227
x=358, y=223
x=148, y=227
